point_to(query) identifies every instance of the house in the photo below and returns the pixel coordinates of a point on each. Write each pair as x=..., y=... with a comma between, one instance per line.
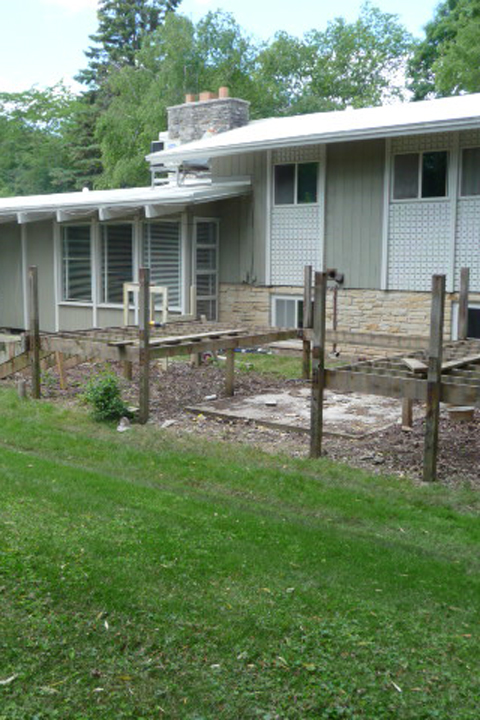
x=387, y=196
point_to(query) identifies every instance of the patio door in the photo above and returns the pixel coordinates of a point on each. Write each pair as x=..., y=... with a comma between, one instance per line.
x=206, y=267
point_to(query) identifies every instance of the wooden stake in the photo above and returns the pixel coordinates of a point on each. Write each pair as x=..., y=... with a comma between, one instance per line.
x=60, y=360
x=434, y=379
x=127, y=369
x=307, y=320
x=230, y=372
x=463, y=304
x=34, y=331
x=144, y=344
x=407, y=412
x=318, y=368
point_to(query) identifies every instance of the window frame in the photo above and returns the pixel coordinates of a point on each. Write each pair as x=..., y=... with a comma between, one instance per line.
x=297, y=299
x=63, y=299
x=460, y=173
x=295, y=184
x=419, y=198
x=102, y=303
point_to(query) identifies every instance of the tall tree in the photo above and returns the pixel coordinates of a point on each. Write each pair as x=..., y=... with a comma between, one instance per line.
x=446, y=61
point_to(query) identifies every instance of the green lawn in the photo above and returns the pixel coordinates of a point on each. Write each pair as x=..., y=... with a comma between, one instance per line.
x=146, y=577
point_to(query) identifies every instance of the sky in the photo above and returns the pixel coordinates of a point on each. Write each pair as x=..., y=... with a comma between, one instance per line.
x=42, y=41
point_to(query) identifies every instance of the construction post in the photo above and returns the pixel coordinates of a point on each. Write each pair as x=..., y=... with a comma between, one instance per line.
x=34, y=330
x=230, y=372
x=144, y=344
x=434, y=379
x=463, y=304
x=318, y=367
x=307, y=320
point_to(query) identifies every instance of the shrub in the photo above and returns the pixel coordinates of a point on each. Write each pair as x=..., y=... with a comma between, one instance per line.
x=102, y=392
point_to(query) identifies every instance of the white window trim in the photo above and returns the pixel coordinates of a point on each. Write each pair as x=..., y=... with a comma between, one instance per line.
x=419, y=198
x=295, y=184
x=297, y=299
x=455, y=311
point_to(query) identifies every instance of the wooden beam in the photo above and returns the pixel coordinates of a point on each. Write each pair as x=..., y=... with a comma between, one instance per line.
x=230, y=372
x=382, y=340
x=307, y=321
x=34, y=330
x=318, y=365
x=144, y=344
x=416, y=366
x=463, y=304
x=434, y=379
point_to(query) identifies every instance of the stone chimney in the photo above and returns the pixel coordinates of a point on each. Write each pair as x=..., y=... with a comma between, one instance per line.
x=209, y=115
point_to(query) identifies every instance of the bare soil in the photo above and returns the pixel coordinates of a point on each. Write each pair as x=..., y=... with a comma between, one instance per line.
x=390, y=450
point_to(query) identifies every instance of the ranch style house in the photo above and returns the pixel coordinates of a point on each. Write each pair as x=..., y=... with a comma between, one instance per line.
x=387, y=196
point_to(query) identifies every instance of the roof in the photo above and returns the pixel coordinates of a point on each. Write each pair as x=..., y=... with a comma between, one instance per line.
x=154, y=201
x=455, y=113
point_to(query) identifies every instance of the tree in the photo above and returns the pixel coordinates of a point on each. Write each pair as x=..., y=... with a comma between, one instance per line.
x=446, y=62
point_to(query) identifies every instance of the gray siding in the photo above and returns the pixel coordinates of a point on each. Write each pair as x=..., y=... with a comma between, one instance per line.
x=243, y=220
x=111, y=317
x=354, y=211
x=75, y=318
x=40, y=253
x=11, y=290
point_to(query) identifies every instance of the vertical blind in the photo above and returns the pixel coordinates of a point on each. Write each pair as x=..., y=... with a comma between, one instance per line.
x=77, y=263
x=162, y=254
x=117, y=261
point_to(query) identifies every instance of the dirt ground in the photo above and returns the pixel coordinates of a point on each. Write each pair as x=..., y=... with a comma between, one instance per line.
x=391, y=449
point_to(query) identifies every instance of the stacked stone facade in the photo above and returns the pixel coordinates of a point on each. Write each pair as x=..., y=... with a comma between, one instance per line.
x=192, y=120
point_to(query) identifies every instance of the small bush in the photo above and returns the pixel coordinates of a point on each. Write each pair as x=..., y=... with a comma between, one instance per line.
x=102, y=392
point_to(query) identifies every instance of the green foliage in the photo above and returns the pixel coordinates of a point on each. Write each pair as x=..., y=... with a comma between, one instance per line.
x=447, y=61
x=103, y=393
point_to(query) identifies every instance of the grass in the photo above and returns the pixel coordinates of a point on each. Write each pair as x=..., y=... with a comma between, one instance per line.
x=143, y=576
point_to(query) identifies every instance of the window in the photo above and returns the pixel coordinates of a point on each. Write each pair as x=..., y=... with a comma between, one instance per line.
x=162, y=254
x=288, y=312
x=296, y=184
x=470, y=181
x=77, y=263
x=117, y=261
x=206, y=268
x=420, y=175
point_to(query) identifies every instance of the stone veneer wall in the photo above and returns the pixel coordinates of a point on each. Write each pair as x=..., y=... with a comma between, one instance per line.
x=191, y=121
x=364, y=310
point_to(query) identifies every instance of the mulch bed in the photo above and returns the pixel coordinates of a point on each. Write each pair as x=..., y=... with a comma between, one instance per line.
x=392, y=450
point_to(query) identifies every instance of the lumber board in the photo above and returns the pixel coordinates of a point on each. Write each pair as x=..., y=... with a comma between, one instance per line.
x=453, y=364
x=178, y=339
x=415, y=365
x=365, y=339
x=16, y=364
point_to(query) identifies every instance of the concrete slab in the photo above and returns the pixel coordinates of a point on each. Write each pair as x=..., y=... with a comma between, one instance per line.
x=346, y=415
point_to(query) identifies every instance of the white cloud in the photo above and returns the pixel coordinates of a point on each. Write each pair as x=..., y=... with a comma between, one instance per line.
x=73, y=5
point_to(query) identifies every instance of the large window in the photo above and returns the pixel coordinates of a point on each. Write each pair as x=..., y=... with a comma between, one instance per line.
x=420, y=175
x=162, y=254
x=470, y=182
x=296, y=184
x=77, y=263
x=117, y=261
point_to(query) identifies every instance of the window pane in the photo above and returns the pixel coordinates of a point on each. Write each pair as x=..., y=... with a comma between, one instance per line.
x=471, y=172
x=77, y=269
x=473, y=330
x=163, y=257
x=434, y=174
x=307, y=183
x=284, y=184
x=405, y=180
x=117, y=261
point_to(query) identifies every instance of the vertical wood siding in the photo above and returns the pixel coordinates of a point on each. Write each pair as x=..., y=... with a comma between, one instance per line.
x=11, y=289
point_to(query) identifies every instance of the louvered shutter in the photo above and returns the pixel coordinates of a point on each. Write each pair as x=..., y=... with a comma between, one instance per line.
x=163, y=257
x=117, y=261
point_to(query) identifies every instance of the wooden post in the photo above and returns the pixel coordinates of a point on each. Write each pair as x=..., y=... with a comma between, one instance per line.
x=34, y=330
x=144, y=343
x=307, y=320
x=127, y=369
x=463, y=304
x=318, y=369
x=60, y=360
x=434, y=379
x=407, y=412
x=230, y=372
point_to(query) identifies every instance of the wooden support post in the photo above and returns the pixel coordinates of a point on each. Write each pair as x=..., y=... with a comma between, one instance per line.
x=463, y=304
x=434, y=379
x=144, y=344
x=60, y=360
x=318, y=369
x=127, y=369
x=307, y=320
x=230, y=372
x=34, y=330
x=407, y=412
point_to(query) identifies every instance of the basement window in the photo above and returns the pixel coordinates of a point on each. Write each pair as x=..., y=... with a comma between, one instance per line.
x=117, y=261
x=420, y=175
x=77, y=263
x=296, y=184
x=470, y=180
x=287, y=311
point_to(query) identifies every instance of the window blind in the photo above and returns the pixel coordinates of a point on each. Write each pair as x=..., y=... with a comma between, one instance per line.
x=117, y=261
x=77, y=263
x=162, y=254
